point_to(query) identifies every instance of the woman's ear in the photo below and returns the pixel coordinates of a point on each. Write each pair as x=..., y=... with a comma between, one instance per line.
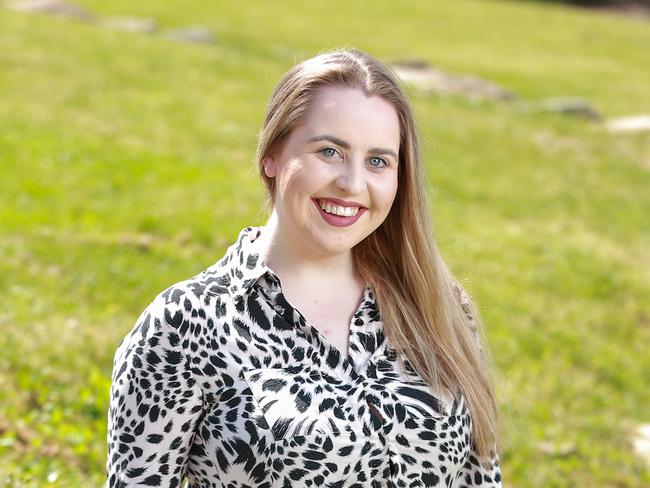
x=269, y=166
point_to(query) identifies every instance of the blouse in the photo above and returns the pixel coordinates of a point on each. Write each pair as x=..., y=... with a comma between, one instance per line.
x=222, y=383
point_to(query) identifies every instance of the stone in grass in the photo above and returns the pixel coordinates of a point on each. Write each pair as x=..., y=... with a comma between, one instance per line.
x=51, y=7
x=565, y=105
x=131, y=24
x=429, y=79
x=561, y=450
x=641, y=443
x=196, y=34
x=634, y=123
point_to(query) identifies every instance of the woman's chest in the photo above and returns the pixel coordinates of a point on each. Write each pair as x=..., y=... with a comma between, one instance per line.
x=285, y=408
x=329, y=315
x=277, y=425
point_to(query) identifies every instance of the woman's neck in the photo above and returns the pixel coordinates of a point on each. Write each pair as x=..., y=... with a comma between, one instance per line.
x=290, y=260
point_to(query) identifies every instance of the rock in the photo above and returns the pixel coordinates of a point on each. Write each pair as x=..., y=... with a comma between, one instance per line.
x=634, y=123
x=641, y=443
x=197, y=34
x=566, y=105
x=51, y=7
x=131, y=24
x=426, y=78
x=558, y=450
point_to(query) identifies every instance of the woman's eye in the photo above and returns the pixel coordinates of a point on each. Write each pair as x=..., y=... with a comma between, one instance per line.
x=376, y=162
x=328, y=152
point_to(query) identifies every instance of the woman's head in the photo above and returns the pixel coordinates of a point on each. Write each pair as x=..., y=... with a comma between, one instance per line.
x=294, y=98
x=335, y=174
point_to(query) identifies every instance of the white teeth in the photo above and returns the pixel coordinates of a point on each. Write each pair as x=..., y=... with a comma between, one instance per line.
x=337, y=210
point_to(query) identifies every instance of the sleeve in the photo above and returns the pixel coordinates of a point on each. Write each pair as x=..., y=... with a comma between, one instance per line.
x=154, y=403
x=476, y=471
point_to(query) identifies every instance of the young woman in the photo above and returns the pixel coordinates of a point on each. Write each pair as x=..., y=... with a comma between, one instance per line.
x=331, y=346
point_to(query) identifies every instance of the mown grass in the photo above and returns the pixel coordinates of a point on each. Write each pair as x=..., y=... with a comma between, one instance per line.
x=127, y=165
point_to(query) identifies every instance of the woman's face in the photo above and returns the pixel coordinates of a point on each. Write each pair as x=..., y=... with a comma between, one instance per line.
x=345, y=154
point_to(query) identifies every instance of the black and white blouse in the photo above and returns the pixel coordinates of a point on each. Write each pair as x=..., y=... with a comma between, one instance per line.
x=221, y=382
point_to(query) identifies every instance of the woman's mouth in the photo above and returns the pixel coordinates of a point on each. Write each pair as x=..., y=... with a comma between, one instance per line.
x=338, y=215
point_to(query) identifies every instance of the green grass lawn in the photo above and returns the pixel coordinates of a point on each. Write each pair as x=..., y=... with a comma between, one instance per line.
x=127, y=165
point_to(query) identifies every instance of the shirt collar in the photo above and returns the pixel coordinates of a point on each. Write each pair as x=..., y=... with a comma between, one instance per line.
x=243, y=263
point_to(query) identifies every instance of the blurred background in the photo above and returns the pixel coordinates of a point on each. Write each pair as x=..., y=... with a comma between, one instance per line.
x=127, y=141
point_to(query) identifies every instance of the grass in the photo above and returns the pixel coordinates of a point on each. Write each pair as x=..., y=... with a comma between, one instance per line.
x=127, y=163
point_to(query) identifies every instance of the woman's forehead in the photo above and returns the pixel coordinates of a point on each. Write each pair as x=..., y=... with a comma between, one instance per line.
x=349, y=112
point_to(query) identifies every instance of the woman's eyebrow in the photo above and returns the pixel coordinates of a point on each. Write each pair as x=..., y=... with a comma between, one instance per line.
x=345, y=145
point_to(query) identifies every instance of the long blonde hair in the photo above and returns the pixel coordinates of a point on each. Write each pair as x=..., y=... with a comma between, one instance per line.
x=429, y=320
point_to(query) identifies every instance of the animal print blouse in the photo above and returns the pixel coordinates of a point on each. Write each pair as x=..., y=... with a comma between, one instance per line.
x=222, y=383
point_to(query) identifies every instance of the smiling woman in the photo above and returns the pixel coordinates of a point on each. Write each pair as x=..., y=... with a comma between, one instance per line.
x=330, y=347
x=334, y=155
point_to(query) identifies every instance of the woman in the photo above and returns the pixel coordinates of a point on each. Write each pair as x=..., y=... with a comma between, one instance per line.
x=330, y=347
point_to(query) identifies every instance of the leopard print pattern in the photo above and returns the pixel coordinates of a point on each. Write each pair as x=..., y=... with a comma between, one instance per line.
x=222, y=383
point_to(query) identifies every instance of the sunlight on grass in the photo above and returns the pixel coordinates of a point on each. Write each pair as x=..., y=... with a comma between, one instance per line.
x=127, y=165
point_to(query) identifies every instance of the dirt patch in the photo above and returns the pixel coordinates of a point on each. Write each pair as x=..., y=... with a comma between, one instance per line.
x=51, y=7
x=424, y=77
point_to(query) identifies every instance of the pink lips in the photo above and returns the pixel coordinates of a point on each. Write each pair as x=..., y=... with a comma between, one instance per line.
x=338, y=220
x=342, y=203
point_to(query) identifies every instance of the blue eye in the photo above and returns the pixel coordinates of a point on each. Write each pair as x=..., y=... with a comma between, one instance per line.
x=328, y=152
x=381, y=161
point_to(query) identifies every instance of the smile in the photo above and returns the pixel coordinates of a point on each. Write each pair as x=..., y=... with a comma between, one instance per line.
x=338, y=215
x=338, y=209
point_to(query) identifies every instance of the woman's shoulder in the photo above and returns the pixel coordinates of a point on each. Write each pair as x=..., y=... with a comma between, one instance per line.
x=216, y=283
x=197, y=297
x=200, y=300
x=206, y=300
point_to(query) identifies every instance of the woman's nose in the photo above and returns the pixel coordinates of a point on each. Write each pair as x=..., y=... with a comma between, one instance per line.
x=352, y=177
